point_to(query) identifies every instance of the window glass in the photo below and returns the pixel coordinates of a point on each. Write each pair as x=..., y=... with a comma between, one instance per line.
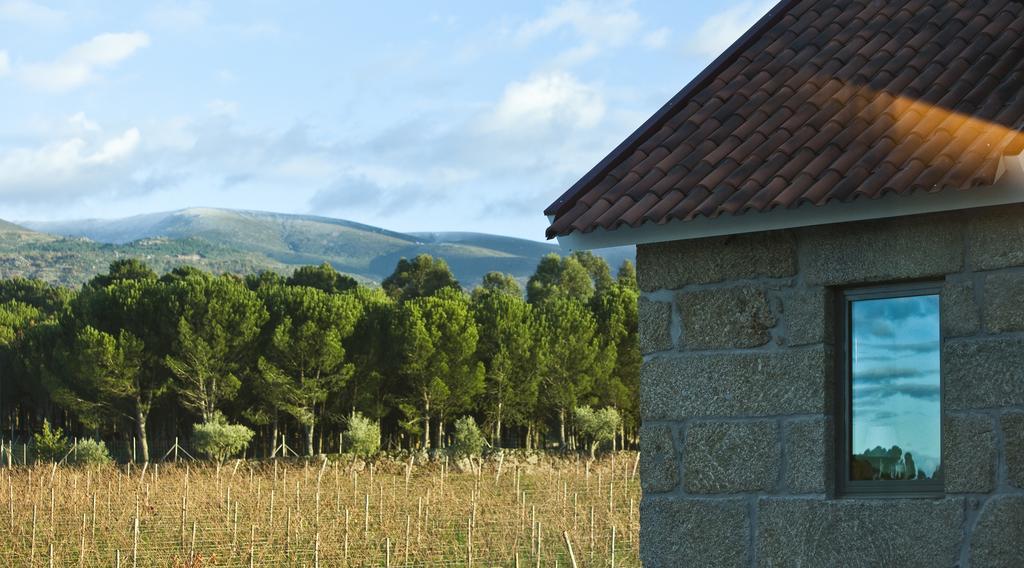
x=895, y=395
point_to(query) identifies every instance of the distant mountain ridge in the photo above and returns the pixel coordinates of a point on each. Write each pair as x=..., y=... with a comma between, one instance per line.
x=249, y=241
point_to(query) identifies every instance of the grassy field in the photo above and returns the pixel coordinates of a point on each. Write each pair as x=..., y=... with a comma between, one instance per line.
x=322, y=513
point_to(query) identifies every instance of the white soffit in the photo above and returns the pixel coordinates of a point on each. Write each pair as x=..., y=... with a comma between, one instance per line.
x=1009, y=188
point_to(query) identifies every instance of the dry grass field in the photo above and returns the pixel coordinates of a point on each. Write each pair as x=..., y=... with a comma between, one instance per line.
x=322, y=513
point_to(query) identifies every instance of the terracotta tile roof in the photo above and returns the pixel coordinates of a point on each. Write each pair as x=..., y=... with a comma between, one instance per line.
x=822, y=101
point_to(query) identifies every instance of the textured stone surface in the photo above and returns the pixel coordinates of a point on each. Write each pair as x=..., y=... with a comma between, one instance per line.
x=968, y=453
x=959, y=310
x=808, y=316
x=655, y=325
x=659, y=471
x=675, y=264
x=859, y=533
x=1004, y=302
x=693, y=532
x=983, y=374
x=730, y=457
x=1012, y=425
x=794, y=381
x=809, y=455
x=724, y=318
x=995, y=237
x=880, y=251
x=998, y=539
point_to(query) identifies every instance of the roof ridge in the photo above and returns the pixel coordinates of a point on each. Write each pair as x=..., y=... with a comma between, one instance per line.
x=566, y=200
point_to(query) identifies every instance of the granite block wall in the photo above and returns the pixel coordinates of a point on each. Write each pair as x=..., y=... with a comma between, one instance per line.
x=738, y=394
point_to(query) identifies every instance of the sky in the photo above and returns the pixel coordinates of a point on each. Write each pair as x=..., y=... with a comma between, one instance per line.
x=413, y=116
x=896, y=377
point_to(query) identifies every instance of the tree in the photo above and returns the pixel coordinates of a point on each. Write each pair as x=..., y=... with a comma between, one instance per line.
x=419, y=277
x=119, y=335
x=597, y=425
x=468, y=440
x=363, y=435
x=597, y=268
x=506, y=347
x=50, y=444
x=501, y=283
x=571, y=359
x=627, y=275
x=558, y=277
x=438, y=338
x=323, y=277
x=219, y=320
x=615, y=309
x=305, y=360
x=220, y=440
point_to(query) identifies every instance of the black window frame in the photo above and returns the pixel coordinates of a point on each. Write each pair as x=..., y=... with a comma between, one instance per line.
x=845, y=487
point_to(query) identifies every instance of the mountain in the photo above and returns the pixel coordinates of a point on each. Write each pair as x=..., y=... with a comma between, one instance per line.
x=249, y=241
x=8, y=227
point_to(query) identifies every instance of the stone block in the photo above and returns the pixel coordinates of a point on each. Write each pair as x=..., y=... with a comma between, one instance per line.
x=959, y=310
x=655, y=325
x=983, y=373
x=1004, y=302
x=672, y=265
x=809, y=316
x=998, y=538
x=1012, y=425
x=725, y=318
x=968, y=453
x=810, y=451
x=995, y=237
x=659, y=469
x=785, y=381
x=731, y=457
x=856, y=533
x=882, y=250
x=694, y=532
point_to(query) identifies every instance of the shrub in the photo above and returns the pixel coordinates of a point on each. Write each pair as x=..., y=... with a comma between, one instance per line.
x=597, y=425
x=91, y=452
x=363, y=435
x=220, y=440
x=50, y=444
x=469, y=441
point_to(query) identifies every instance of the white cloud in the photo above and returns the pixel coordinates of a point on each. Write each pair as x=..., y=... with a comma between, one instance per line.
x=720, y=30
x=657, y=39
x=220, y=107
x=59, y=167
x=30, y=13
x=597, y=25
x=5, y=63
x=80, y=64
x=546, y=101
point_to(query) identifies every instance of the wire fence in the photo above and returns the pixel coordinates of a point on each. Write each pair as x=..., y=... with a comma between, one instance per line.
x=324, y=513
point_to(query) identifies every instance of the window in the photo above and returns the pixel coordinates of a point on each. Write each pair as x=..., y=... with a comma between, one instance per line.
x=889, y=419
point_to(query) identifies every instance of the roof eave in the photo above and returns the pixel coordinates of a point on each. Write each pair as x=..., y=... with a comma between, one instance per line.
x=1008, y=189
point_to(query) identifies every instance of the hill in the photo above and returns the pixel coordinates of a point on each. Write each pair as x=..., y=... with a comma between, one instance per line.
x=70, y=252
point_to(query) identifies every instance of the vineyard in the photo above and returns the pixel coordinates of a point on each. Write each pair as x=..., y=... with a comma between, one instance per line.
x=324, y=512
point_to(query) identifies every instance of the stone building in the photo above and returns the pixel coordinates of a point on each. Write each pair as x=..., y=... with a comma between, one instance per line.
x=829, y=224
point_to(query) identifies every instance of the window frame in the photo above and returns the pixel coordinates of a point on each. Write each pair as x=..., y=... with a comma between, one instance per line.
x=845, y=487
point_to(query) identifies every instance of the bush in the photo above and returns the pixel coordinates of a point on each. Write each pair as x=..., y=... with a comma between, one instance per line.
x=220, y=440
x=363, y=435
x=50, y=444
x=597, y=425
x=91, y=452
x=469, y=441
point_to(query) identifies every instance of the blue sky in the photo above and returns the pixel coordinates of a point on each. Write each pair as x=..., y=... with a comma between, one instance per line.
x=406, y=115
x=896, y=377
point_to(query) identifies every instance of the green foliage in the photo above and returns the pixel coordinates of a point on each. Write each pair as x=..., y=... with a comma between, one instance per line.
x=419, y=277
x=500, y=283
x=49, y=444
x=468, y=439
x=363, y=435
x=598, y=426
x=562, y=278
x=91, y=452
x=220, y=440
x=323, y=277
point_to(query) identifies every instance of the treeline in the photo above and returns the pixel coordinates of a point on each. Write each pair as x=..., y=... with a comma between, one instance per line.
x=134, y=356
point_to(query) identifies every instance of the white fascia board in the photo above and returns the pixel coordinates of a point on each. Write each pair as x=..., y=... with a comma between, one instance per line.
x=1009, y=188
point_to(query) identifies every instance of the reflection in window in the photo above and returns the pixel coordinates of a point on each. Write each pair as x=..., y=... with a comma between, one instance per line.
x=895, y=396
